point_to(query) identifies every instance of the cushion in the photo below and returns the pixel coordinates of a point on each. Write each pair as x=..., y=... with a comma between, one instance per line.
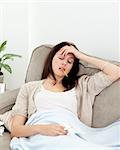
x=106, y=108
x=35, y=68
x=5, y=141
x=7, y=100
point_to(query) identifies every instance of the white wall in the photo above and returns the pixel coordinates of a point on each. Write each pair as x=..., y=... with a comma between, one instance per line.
x=119, y=31
x=14, y=29
x=91, y=25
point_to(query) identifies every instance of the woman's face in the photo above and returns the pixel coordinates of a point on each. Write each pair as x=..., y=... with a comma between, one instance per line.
x=62, y=65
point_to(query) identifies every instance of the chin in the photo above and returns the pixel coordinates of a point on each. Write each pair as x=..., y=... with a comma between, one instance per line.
x=59, y=75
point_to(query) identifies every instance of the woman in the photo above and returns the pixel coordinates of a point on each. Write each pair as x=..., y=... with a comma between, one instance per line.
x=47, y=111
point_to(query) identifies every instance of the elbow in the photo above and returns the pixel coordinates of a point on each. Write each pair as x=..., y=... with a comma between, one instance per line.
x=12, y=135
x=115, y=75
x=15, y=132
x=113, y=78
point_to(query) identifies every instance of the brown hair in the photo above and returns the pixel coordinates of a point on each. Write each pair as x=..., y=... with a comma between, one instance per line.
x=68, y=82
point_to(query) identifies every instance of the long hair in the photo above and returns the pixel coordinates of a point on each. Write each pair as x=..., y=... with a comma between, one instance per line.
x=68, y=82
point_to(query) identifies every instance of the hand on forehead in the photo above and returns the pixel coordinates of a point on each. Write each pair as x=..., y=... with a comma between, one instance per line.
x=66, y=50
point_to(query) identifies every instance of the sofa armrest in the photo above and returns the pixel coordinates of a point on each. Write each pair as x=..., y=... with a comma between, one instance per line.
x=7, y=100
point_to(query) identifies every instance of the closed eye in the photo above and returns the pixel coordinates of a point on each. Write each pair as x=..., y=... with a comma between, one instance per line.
x=61, y=58
x=70, y=61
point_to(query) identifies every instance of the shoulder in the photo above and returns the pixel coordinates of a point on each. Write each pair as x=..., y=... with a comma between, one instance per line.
x=31, y=85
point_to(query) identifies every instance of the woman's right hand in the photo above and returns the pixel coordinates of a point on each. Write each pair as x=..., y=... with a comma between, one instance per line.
x=51, y=129
x=70, y=49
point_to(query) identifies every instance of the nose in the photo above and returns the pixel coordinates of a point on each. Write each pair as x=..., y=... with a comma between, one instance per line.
x=64, y=63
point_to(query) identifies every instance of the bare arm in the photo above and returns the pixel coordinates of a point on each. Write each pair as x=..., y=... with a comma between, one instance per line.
x=111, y=70
x=18, y=129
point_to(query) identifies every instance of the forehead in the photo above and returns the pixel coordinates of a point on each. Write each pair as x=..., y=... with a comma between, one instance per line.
x=70, y=55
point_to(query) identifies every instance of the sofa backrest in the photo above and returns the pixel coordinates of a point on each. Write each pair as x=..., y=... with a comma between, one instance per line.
x=37, y=61
x=107, y=104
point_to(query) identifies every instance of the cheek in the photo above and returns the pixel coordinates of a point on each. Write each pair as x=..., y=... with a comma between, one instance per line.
x=54, y=64
x=70, y=67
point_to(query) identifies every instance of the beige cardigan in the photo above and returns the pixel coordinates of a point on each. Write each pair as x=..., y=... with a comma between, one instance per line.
x=86, y=90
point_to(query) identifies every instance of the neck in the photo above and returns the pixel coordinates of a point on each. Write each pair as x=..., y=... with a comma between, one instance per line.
x=52, y=80
x=52, y=85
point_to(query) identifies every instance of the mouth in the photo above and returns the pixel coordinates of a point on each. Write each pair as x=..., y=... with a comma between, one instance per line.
x=63, y=70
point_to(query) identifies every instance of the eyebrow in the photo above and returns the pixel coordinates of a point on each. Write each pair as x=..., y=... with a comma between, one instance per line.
x=71, y=57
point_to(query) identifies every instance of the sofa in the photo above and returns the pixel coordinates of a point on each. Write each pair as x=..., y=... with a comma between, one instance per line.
x=107, y=104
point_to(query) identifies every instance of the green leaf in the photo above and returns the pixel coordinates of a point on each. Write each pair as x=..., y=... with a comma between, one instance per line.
x=7, y=67
x=2, y=46
x=7, y=58
x=11, y=55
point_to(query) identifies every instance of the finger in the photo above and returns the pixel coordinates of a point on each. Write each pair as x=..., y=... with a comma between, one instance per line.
x=62, y=51
x=63, y=131
x=61, y=127
x=65, y=52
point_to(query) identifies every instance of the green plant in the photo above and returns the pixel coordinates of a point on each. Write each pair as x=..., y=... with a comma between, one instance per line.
x=5, y=57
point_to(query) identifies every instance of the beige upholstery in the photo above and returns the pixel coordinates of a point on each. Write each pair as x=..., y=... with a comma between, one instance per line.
x=107, y=104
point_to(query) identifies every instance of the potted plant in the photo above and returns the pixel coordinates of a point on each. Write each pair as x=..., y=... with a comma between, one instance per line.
x=4, y=58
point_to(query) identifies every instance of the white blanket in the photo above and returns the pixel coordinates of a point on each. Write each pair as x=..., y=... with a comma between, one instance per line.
x=80, y=135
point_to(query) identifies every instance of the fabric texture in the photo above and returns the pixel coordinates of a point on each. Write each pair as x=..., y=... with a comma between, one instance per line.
x=7, y=100
x=5, y=141
x=79, y=137
x=86, y=90
x=35, y=68
x=48, y=100
x=106, y=109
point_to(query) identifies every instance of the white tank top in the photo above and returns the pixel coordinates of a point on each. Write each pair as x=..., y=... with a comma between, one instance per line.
x=46, y=100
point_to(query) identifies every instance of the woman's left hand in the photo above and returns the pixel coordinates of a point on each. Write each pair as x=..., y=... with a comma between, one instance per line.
x=70, y=49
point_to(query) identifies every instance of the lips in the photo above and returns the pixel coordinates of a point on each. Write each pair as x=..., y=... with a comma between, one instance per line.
x=63, y=70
